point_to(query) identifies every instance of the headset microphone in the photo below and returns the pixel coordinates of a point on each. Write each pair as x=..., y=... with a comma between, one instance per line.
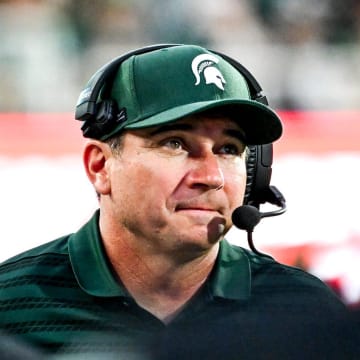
x=246, y=217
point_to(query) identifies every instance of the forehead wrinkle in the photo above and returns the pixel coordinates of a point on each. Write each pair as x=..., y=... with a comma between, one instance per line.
x=236, y=133
x=172, y=127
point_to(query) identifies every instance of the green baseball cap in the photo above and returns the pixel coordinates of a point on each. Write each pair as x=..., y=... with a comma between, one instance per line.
x=167, y=84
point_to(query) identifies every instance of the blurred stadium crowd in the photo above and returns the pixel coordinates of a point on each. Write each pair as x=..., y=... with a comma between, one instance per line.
x=304, y=53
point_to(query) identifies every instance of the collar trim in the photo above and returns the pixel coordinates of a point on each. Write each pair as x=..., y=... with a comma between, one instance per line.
x=232, y=276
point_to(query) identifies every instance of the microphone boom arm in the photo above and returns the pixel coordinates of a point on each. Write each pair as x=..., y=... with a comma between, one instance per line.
x=246, y=217
x=274, y=197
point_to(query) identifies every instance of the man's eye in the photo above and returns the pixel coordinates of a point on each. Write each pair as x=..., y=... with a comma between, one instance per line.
x=173, y=144
x=231, y=149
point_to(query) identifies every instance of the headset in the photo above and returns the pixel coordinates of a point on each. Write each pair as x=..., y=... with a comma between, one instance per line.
x=100, y=116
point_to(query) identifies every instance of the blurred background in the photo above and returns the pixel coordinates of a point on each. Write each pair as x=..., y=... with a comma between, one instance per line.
x=305, y=54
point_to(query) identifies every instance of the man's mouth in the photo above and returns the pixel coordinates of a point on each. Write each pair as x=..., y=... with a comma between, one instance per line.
x=196, y=208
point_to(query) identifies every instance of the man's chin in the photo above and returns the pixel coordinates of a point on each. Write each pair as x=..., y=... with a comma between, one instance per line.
x=201, y=231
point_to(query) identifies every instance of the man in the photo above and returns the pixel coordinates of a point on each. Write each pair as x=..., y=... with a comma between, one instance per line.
x=166, y=154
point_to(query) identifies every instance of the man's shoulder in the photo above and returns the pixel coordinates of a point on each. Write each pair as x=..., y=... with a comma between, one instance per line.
x=277, y=282
x=268, y=268
x=50, y=254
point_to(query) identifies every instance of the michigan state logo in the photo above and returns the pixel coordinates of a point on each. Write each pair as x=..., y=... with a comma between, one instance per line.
x=206, y=64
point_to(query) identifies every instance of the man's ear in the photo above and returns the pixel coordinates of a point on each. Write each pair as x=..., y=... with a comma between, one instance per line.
x=95, y=156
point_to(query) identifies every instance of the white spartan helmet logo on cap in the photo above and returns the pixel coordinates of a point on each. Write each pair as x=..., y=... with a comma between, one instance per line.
x=205, y=63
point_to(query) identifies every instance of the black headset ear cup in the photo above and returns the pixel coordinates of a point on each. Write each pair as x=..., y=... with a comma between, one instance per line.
x=104, y=120
x=251, y=173
x=258, y=166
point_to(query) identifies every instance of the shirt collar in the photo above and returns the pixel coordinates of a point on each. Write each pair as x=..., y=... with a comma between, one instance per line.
x=90, y=264
x=231, y=277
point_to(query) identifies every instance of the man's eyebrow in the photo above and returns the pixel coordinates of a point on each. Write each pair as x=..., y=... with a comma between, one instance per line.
x=237, y=134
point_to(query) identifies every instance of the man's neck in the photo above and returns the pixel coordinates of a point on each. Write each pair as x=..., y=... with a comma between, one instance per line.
x=160, y=283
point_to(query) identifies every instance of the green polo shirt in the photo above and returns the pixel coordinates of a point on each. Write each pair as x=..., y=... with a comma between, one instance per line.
x=63, y=296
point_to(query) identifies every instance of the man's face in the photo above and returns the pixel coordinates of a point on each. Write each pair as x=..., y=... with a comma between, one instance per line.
x=177, y=185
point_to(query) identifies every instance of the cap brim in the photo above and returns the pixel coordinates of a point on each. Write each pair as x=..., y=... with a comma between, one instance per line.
x=260, y=124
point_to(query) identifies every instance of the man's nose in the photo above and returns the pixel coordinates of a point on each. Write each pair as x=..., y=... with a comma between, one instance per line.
x=206, y=172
